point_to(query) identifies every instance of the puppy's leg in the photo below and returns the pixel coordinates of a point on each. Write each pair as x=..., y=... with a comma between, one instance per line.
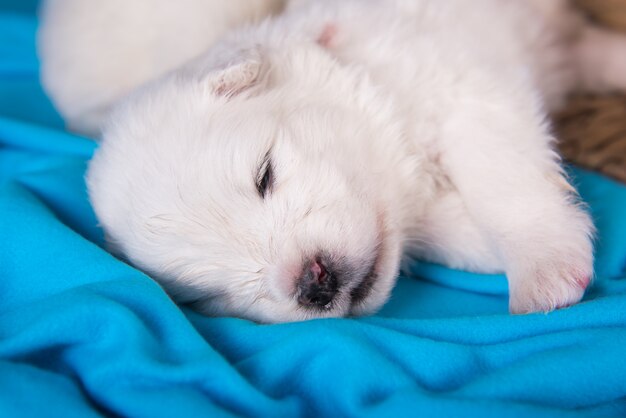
x=600, y=56
x=448, y=235
x=497, y=153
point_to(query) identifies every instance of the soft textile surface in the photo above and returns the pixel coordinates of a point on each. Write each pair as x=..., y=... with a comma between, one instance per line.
x=83, y=334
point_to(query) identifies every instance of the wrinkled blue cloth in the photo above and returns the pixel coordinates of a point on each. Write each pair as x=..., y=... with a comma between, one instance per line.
x=83, y=334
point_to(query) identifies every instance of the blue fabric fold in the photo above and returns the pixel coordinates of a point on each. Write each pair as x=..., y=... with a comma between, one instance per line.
x=84, y=334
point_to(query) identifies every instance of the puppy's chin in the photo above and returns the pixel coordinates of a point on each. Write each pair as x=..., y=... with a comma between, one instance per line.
x=270, y=312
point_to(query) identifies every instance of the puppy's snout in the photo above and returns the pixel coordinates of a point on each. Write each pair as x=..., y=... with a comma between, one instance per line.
x=317, y=286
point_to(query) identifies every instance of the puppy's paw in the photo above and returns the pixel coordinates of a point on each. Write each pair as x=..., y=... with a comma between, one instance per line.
x=553, y=275
x=548, y=285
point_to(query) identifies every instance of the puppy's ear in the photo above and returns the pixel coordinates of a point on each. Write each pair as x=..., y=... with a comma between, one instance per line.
x=233, y=72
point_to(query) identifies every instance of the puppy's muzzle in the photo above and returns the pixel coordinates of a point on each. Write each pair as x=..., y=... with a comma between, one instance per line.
x=317, y=286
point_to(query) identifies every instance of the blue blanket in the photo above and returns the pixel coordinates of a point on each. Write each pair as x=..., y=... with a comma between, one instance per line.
x=83, y=334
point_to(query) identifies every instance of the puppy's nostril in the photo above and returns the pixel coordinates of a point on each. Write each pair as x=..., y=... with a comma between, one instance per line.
x=319, y=271
x=317, y=286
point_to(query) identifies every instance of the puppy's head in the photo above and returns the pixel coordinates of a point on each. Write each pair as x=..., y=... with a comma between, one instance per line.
x=259, y=183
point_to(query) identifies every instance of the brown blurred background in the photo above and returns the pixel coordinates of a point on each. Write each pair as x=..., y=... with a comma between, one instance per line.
x=592, y=129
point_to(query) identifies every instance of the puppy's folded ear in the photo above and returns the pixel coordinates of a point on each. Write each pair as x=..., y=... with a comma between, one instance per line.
x=231, y=71
x=242, y=73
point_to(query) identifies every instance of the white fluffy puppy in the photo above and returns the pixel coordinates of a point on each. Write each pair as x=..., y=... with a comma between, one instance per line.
x=281, y=175
x=94, y=52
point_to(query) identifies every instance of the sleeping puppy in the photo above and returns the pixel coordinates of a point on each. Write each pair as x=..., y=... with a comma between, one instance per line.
x=283, y=174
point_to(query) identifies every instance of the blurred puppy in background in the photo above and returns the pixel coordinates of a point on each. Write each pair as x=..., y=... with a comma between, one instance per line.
x=95, y=52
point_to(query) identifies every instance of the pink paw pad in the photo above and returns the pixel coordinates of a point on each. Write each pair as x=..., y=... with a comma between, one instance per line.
x=583, y=281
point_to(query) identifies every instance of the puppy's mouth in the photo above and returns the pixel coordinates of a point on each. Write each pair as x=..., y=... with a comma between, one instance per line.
x=363, y=290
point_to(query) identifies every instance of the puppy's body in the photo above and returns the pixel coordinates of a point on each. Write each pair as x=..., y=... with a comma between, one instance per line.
x=388, y=126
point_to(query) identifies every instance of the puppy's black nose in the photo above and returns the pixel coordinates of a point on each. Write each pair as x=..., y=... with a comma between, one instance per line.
x=317, y=286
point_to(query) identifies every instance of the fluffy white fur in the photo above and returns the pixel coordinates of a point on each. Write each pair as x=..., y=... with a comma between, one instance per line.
x=94, y=52
x=398, y=126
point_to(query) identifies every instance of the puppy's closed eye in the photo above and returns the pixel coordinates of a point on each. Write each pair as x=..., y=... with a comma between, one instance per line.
x=265, y=176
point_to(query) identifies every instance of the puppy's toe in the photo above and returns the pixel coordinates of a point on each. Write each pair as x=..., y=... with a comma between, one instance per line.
x=549, y=284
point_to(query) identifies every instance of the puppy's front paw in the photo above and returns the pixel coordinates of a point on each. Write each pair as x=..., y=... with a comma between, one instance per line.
x=551, y=277
x=549, y=285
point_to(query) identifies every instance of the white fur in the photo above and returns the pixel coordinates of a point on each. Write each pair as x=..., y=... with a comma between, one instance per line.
x=94, y=52
x=394, y=126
